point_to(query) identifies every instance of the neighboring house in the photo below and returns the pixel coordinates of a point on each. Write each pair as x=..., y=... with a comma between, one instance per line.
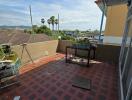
x=115, y=21
x=70, y=33
x=17, y=37
x=89, y=36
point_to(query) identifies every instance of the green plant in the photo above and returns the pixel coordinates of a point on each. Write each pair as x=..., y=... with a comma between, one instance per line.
x=63, y=36
x=44, y=29
x=40, y=30
x=84, y=41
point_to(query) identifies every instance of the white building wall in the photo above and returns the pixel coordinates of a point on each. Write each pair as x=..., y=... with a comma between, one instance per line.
x=112, y=40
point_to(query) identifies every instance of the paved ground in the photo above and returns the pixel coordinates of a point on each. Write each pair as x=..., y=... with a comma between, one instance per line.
x=50, y=78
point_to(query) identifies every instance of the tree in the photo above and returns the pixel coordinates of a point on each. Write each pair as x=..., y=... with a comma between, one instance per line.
x=77, y=32
x=44, y=29
x=35, y=27
x=25, y=30
x=40, y=30
x=96, y=31
x=56, y=23
x=52, y=18
x=42, y=21
x=49, y=22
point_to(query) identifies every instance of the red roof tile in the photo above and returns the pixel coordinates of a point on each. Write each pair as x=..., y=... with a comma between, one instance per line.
x=16, y=37
x=38, y=38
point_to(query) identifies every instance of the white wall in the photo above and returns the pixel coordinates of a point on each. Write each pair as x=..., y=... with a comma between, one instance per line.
x=112, y=39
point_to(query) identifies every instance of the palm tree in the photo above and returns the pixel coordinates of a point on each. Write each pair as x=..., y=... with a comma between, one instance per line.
x=52, y=18
x=49, y=22
x=56, y=23
x=42, y=21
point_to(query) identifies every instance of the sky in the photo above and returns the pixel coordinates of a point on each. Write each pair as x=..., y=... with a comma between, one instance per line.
x=74, y=14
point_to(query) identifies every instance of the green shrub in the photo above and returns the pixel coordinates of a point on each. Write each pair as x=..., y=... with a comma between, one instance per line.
x=83, y=41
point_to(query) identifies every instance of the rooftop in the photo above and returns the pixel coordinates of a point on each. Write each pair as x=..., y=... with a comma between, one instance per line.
x=50, y=78
x=16, y=37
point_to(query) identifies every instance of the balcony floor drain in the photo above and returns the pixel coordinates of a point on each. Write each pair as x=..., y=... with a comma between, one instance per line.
x=81, y=82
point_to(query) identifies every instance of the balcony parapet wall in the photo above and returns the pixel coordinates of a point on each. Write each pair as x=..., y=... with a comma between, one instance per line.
x=36, y=50
x=105, y=52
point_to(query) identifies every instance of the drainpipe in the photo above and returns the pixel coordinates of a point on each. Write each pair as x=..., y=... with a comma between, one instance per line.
x=102, y=20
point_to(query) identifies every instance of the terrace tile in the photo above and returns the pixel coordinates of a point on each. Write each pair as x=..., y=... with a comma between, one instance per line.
x=50, y=78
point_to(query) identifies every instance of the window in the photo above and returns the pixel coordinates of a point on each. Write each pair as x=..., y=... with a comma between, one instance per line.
x=127, y=74
x=126, y=60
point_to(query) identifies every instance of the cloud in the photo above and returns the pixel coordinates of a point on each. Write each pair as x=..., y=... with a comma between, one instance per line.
x=74, y=14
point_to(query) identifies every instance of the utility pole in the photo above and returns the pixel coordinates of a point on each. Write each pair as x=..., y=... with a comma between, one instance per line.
x=58, y=23
x=31, y=17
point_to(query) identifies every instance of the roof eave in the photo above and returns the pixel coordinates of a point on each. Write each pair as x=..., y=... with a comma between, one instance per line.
x=112, y=2
x=101, y=6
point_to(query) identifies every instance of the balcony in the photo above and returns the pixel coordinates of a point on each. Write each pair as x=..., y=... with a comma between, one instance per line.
x=50, y=78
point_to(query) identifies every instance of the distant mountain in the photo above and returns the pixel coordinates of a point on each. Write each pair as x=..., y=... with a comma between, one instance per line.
x=14, y=27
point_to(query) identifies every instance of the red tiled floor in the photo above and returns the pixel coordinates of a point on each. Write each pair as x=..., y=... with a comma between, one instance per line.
x=52, y=81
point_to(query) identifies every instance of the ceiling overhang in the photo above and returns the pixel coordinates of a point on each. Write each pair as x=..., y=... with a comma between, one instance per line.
x=115, y=2
x=112, y=2
x=102, y=4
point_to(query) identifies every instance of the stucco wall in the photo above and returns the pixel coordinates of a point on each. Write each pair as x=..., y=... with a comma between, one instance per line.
x=62, y=45
x=115, y=22
x=36, y=50
x=104, y=52
x=109, y=53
